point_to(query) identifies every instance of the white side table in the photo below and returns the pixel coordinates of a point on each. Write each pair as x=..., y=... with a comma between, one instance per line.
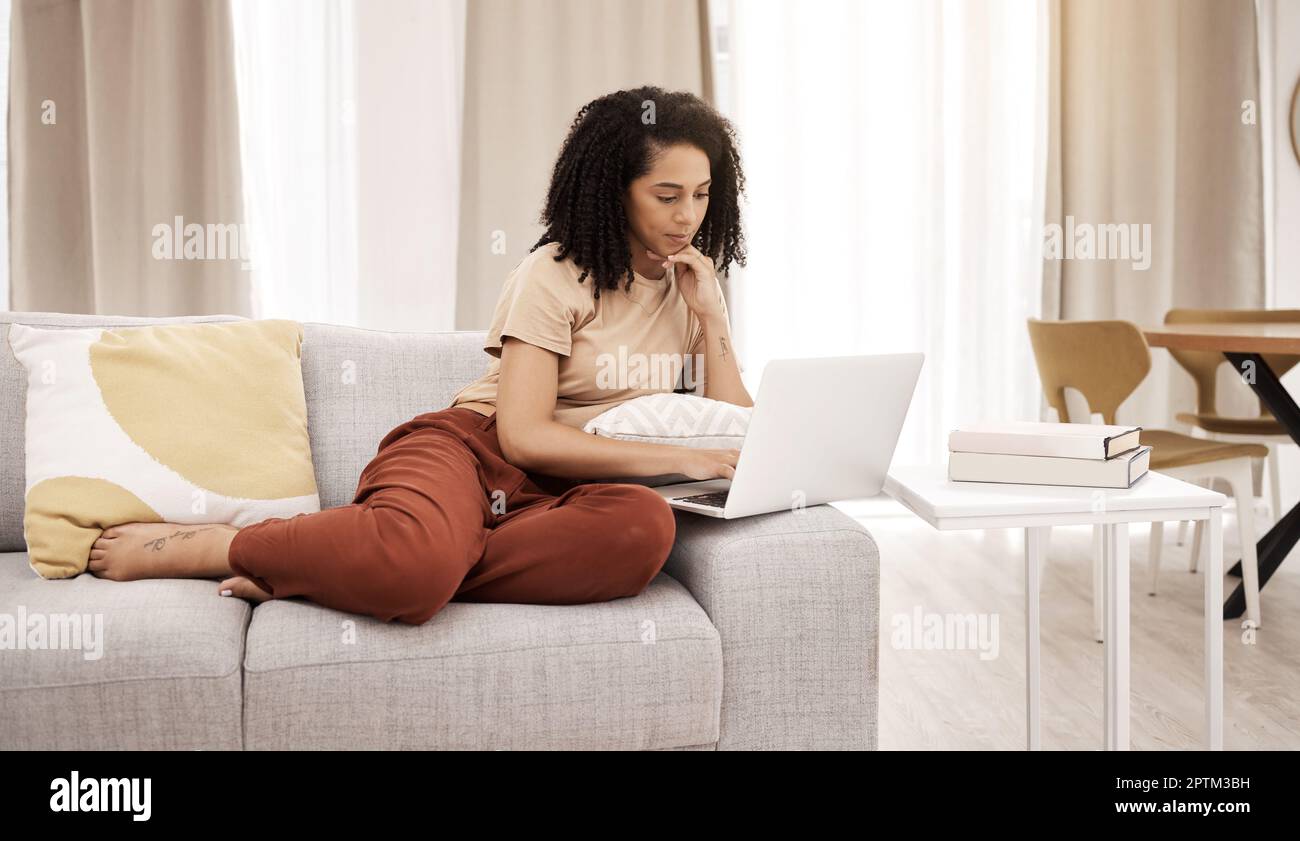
x=946, y=505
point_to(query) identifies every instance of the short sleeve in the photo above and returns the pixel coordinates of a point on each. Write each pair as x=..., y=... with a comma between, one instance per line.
x=537, y=306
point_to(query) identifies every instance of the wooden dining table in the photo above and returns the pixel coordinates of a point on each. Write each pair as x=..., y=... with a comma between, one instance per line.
x=1243, y=344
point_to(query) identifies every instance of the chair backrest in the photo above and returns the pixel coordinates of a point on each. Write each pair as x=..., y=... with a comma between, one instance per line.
x=1203, y=365
x=1104, y=360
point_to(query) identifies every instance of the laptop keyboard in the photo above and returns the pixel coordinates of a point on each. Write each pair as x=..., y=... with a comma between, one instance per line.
x=715, y=499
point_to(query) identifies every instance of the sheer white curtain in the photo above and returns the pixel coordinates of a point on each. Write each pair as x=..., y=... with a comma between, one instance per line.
x=296, y=73
x=350, y=137
x=894, y=154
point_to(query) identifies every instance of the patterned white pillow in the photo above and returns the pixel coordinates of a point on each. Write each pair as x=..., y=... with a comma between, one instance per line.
x=181, y=423
x=684, y=420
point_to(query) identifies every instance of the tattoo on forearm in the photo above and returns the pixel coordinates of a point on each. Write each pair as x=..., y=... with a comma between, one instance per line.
x=158, y=543
x=723, y=340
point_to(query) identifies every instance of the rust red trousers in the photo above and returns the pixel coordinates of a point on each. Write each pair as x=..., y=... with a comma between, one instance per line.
x=440, y=515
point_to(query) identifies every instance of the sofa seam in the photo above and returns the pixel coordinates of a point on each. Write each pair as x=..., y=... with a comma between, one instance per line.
x=275, y=669
x=396, y=332
x=243, y=678
x=118, y=681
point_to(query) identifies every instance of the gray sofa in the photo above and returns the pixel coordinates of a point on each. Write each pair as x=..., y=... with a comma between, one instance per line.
x=760, y=633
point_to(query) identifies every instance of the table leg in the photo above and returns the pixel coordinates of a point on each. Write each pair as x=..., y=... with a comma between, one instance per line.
x=1098, y=587
x=1035, y=546
x=1276, y=544
x=1214, y=632
x=1114, y=540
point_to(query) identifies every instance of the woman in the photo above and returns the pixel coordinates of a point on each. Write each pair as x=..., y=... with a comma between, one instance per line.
x=485, y=500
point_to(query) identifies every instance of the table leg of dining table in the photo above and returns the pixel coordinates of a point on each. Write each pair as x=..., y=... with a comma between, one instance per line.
x=1214, y=632
x=1035, y=546
x=1277, y=543
x=1114, y=542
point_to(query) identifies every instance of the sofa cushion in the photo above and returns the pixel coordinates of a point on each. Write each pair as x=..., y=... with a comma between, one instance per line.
x=362, y=383
x=635, y=673
x=13, y=405
x=157, y=666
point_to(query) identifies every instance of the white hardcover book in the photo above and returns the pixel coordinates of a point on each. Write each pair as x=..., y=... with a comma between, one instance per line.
x=1031, y=438
x=1118, y=472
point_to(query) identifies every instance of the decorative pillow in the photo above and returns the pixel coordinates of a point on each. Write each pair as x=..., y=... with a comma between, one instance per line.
x=183, y=423
x=684, y=420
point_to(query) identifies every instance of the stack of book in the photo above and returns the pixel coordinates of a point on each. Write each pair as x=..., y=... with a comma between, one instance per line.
x=1030, y=453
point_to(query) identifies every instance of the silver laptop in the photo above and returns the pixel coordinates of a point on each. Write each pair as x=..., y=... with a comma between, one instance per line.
x=822, y=430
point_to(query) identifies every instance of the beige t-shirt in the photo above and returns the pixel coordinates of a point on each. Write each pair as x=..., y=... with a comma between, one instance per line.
x=626, y=344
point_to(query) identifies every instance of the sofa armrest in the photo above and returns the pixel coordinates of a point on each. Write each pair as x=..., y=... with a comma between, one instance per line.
x=795, y=597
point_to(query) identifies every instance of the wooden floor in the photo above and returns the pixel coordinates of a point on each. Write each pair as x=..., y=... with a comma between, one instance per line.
x=953, y=699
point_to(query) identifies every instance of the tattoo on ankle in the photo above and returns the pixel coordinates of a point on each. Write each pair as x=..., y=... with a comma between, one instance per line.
x=157, y=544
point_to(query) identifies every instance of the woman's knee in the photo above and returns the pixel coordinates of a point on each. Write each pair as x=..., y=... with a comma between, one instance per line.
x=639, y=535
x=657, y=518
x=413, y=573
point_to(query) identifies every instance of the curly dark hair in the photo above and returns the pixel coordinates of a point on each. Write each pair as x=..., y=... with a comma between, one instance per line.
x=609, y=146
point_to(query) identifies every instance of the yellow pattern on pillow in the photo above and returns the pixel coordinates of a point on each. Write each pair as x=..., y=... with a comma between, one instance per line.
x=65, y=516
x=210, y=429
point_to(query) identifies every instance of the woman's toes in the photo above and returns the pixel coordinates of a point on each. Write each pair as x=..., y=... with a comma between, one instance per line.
x=241, y=588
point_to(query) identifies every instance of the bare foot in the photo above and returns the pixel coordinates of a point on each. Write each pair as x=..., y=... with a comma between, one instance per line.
x=133, y=551
x=241, y=588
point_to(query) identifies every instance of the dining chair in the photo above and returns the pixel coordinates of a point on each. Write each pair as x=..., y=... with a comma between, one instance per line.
x=1203, y=365
x=1105, y=361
